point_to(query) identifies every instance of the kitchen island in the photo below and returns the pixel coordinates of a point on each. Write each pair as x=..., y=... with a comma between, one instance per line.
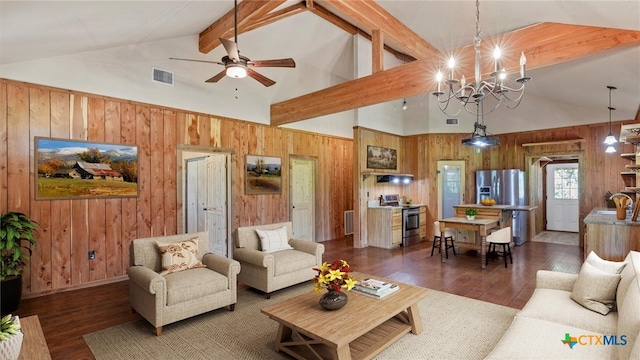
x=610, y=238
x=503, y=213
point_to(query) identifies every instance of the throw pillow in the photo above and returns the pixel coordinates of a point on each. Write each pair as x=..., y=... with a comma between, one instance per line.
x=179, y=256
x=595, y=289
x=611, y=267
x=274, y=240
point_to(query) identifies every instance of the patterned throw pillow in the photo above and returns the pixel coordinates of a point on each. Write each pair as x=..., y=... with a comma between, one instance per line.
x=274, y=240
x=179, y=256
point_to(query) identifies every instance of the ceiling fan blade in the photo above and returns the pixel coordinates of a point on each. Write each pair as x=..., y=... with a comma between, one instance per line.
x=261, y=78
x=218, y=76
x=232, y=49
x=202, y=61
x=273, y=63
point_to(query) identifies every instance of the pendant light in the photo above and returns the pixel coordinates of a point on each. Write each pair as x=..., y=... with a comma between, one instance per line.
x=610, y=139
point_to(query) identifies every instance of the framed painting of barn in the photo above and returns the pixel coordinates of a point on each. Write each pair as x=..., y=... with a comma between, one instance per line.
x=263, y=175
x=74, y=169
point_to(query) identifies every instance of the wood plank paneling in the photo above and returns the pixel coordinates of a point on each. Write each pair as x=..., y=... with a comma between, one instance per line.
x=73, y=227
x=3, y=147
x=60, y=209
x=39, y=124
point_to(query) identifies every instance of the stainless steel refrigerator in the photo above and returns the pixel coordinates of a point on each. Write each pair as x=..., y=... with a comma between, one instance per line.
x=507, y=187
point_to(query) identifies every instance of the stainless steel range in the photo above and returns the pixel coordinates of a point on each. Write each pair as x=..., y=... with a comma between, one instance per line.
x=410, y=218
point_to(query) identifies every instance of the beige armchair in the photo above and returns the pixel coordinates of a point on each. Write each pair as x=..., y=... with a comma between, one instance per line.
x=272, y=271
x=164, y=299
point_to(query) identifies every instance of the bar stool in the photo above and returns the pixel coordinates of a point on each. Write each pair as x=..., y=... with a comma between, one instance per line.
x=501, y=237
x=437, y=240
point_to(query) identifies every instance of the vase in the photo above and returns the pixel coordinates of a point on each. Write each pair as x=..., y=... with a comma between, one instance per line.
x=10, y=348
x=333, y=300
x=469, y=217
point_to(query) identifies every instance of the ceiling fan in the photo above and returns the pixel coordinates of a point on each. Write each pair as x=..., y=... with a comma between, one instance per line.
x=239, y=66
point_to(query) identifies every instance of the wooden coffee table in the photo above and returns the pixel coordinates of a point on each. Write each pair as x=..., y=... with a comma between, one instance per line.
x=360, y=330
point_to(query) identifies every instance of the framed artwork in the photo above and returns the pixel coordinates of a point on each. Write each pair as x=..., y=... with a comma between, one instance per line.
x=73, y=169
x=381, y=158
x=263, y=175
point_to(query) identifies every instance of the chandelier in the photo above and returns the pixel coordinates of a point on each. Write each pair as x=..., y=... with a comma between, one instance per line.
x=610, y=139
x=479, y=90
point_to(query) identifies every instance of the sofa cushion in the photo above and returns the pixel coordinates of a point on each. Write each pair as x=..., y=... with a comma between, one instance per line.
x=557, y=306
x=629, y=319
x=529, y=338
x=611, y=267
x=194, y=284
x=289, y=261
x=274, y=240
x=179, y=256
x=595, y=289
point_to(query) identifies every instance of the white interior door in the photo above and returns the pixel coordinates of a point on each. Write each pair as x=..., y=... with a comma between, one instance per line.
x=562, y=197
x=206, y=205
x=302, y=194
x=215, y=207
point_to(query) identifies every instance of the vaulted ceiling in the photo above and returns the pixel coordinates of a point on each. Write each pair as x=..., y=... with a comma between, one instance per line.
x=574, y=48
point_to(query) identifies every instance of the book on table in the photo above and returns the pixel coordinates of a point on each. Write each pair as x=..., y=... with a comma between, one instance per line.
x=373, y=284
x=378, y=294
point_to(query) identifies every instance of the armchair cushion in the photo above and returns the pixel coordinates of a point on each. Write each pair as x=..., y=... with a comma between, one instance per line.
x=193, y=284
x=274, y=240
x=289, y=261
x=611, y=267
x=179, y=256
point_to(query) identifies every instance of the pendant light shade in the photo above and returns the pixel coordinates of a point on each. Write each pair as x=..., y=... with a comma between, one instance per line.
x=610, y=139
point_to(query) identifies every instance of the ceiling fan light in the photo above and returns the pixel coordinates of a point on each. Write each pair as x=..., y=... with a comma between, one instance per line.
x=610, y=139
x=236, y=72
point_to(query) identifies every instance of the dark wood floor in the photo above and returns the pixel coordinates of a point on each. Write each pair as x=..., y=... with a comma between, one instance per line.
x=66, y=316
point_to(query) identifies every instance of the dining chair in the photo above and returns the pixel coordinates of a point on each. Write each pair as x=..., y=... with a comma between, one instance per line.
x=500, y=237
x=438, y=238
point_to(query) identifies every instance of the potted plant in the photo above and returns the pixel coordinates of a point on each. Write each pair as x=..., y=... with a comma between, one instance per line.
x=10, y=337
x=17, y=237
x=471, y=213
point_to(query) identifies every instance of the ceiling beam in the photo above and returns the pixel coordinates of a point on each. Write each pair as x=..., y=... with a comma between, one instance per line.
x=373, y=16
x=544, y=44
x=249, y=11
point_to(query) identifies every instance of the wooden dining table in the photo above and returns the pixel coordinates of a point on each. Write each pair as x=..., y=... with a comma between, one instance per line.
x=481, y=225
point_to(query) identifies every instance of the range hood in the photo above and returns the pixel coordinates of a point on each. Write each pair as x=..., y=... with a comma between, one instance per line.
x=395, y=178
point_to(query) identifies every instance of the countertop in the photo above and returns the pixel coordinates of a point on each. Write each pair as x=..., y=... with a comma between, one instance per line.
x=501, y=207
x=595, y=218
x=393, y=207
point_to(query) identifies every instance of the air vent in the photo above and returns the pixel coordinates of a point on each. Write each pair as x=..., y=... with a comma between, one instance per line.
x=162, y=76
x=452, y=121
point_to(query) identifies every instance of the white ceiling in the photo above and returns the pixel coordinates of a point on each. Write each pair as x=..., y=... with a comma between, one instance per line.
x=120, y=34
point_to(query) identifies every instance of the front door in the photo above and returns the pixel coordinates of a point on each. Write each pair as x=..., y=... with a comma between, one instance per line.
x=302, y=192
x=562, y=197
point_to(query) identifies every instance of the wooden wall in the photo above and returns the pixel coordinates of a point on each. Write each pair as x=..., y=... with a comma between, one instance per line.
x=70, y=228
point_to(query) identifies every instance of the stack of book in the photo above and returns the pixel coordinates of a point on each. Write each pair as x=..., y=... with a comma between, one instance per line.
x=375, y=288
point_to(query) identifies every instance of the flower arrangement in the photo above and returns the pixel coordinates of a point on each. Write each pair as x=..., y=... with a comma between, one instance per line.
x=334, y=276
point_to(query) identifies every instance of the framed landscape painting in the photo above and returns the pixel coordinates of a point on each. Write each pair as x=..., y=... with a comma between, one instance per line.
x=73, y=169
x=381, y=158
x=263, y=175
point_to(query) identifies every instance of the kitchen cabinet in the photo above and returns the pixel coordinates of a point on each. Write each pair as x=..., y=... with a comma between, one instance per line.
x=423, y=222
x=630, y=134
x=609, y=237
x=384, y=227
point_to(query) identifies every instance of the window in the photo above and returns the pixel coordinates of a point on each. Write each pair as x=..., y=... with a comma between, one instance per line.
x=565, y=184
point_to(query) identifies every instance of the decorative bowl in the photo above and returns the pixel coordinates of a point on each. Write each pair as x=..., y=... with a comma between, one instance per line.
x=488, y=202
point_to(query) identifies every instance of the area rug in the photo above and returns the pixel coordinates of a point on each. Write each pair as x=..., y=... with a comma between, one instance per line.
x=455, y=327
x=557, y=237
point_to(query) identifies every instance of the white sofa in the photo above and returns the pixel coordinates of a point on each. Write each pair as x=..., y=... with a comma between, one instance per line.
x=551, y=317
